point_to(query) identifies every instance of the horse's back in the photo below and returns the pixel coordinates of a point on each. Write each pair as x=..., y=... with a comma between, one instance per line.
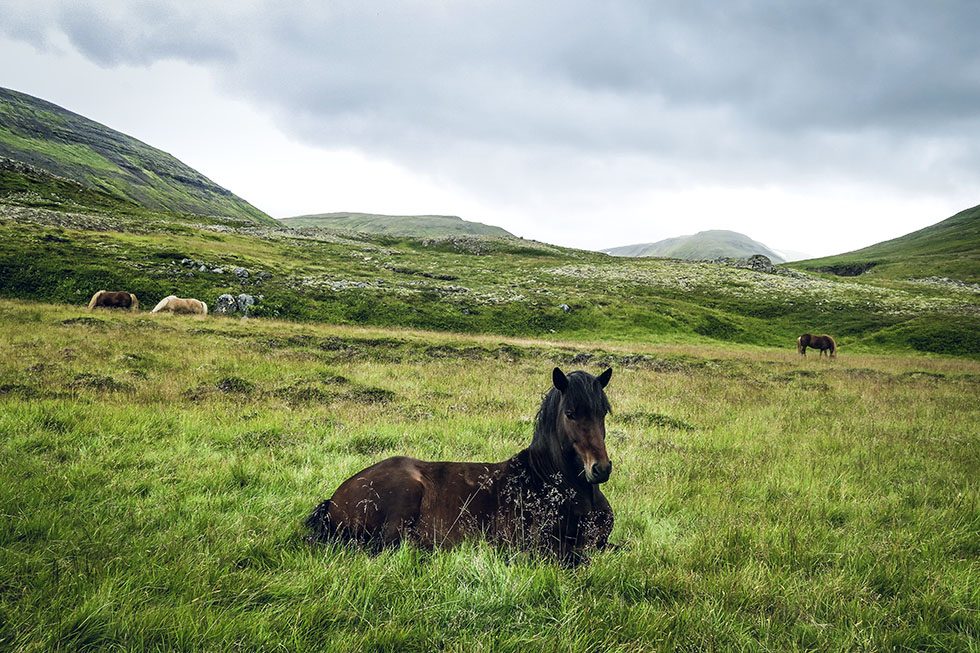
x=113, y=299
x=181, y=306
x=435, y=503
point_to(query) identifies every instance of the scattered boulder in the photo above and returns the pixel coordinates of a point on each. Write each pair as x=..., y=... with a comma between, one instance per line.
x=245, y=303
x=225, y=305
x=756, y=263
x=240, y=272
x=947, y=282
x=228, y=304
x=760, y=263
x=565, y=307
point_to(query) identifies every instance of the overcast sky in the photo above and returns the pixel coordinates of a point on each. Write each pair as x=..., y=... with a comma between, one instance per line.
x=810, y=126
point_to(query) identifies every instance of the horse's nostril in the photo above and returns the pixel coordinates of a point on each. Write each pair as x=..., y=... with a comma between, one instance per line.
x=600, y=471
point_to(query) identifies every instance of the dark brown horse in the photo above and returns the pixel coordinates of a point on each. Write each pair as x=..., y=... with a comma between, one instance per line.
x=544, y=499
x=110, y=299
x=824, y=343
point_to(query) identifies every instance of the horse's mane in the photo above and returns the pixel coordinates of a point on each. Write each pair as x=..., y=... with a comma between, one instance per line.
x=163, y=303
x=548, y=450
x=95, y=299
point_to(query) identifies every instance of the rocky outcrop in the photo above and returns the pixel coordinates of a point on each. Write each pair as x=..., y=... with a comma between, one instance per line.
x=759, y=263
x=228, y=304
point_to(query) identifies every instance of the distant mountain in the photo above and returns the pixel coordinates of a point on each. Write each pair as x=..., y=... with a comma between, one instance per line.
x=950, y=248
x=414, y=226
x=715, y=243
x=64, y=147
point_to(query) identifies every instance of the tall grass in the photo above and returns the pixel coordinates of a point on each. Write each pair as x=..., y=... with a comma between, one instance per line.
x=156, y=470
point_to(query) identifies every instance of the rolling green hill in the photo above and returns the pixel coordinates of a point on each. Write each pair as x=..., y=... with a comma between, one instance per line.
x=472, y=285
x=715, y=243
x=106, y=164
x=416, y=226
x=950, y=248
x=77, y=215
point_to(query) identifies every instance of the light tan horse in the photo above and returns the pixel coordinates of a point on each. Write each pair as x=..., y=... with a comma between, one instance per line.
x=174, y=304
x=110, y=299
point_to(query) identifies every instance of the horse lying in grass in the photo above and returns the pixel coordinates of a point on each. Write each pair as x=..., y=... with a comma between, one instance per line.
x=174, y=304
x=111, y=299
x=824, y=343
x=545, y=499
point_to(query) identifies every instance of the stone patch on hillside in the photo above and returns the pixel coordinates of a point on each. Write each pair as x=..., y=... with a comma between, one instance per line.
x=228, y=304
x=722, y=280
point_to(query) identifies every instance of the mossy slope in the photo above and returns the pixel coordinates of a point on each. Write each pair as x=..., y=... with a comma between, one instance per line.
x=106, y=161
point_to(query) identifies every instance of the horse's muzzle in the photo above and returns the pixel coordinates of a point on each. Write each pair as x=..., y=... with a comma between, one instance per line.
x=600, y=472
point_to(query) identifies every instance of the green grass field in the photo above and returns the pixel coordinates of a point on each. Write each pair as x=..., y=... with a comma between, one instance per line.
x=156, y=470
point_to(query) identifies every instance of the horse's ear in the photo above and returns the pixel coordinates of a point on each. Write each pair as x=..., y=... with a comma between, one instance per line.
x=604, y=377
x=559, y=379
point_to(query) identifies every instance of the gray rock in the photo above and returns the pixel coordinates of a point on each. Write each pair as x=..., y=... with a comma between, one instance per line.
x=203, y=268
x=218, y=270
x=226, y=305
x=565, y=307
x=240, y=272
x=760, y=263
x=245, y=303
x=756, y=262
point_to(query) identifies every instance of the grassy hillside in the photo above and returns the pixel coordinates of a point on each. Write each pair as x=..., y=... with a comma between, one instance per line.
x=716, y=243
x=950, y=248
x=472, y=285
x=104, y=161
x=416, y=226
x=157, y=471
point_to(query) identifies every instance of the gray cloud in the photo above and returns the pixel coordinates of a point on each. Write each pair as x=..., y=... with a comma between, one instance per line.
x=573, y=91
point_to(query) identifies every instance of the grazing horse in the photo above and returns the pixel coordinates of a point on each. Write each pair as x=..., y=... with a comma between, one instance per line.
x=823, y=343
x=174, y=304
x=110, y=299
x=544, y=499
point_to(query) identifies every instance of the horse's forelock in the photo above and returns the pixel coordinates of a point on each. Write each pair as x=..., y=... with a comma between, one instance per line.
x=585, y=393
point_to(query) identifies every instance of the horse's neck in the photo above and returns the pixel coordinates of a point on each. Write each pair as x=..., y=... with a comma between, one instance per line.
x=544, y=471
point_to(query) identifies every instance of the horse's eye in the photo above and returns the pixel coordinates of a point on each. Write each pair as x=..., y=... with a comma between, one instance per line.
x=570, y=414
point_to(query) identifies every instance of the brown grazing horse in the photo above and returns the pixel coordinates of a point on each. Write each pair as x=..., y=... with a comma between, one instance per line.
x=545, y=499
x=110, y=299
x=823, y=343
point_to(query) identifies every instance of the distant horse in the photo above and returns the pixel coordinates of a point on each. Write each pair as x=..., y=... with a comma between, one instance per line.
x=174, y=304
x=823, y=343
x=110, y=299
x=546, y=498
